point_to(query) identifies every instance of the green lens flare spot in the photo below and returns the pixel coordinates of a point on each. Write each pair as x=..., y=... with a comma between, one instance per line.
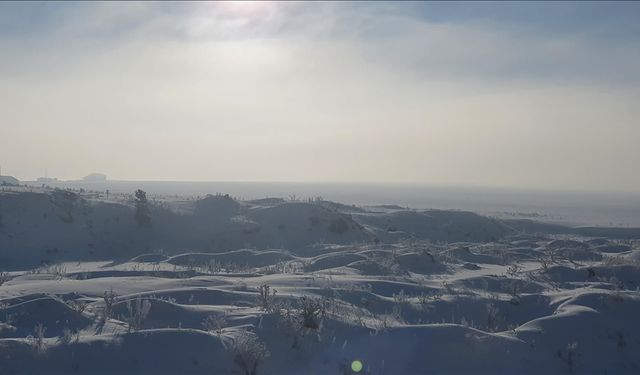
x=356, y=366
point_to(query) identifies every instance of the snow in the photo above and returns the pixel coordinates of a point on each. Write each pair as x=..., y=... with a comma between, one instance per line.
x=403, y=291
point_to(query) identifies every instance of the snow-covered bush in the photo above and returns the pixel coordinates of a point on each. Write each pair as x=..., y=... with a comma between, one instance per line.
x=138, y=311
x=249, y=352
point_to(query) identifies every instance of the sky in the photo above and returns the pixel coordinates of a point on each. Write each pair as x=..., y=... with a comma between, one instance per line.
x=522, y=94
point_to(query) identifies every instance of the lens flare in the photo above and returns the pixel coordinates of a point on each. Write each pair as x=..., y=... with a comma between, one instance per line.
x=356, y=366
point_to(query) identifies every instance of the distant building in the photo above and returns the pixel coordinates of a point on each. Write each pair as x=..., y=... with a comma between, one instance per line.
x=94, y=177
x=9, y=180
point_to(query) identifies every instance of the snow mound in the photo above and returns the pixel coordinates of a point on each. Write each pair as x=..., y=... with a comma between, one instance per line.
x=436, y=225
x=297, y=224
x=423, y=263
x=333, y=260
x=249, y=258
x=52, y=313
x=167, y=314
x=149, y=258
x=202, y=296
x=163, y=351
x=613, y=248
x=571, y=244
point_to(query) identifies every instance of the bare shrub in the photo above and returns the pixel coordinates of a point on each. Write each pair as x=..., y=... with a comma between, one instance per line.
x=167, y=299
x=513, y=288
x=59, y=271
x=570, y=356
x=381, y=325
x=289, y=322
x=64, y=203
x=549, y=258
x=266, y=296
x=448, y=287
x=296, y=320
x=464, y=322
x=396, y=313
x=613, y=261
x=249, y=352
x=37, y=341
x=434, y=295
x=617, y=287
x=312, y=310
x=492, y=317
x=142, y=212
x=212, y=267
x=400, y=297
x=545, y=263
x=110, y=299
x=388, y=265
x=138, y=311
x=77, y=306
x=230, y=267
x=215, y=323
x=283, y=267
x=514, y=269
x=4, y=277
x=68, y=336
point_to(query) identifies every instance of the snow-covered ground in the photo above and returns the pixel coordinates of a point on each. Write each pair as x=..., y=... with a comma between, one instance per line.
x=307, y=287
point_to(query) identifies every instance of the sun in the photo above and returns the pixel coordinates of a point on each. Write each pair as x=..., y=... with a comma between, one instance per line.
x=245, y=7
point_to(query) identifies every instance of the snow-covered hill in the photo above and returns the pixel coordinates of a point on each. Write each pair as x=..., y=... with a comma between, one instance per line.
x=48, y=226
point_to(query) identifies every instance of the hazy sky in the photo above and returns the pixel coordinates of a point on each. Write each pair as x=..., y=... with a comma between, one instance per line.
x=496, y=94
